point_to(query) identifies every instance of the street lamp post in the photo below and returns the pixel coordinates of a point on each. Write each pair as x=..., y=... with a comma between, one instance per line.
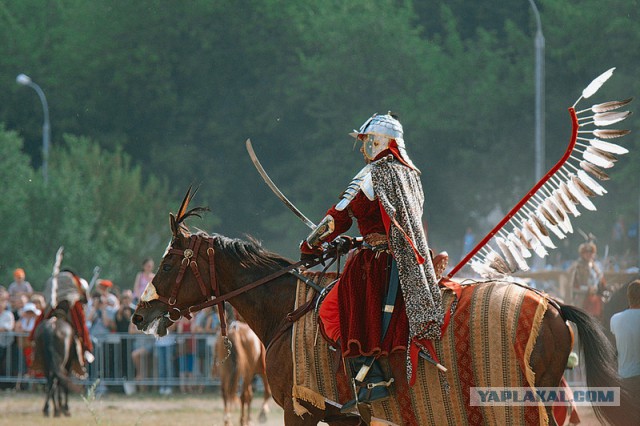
x=539, y=113
x=25, y=80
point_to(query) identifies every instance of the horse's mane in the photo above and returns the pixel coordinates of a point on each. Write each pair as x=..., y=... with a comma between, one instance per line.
x=249, y=253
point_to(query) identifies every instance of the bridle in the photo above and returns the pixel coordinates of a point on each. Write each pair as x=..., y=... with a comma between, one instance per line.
x=211, y=292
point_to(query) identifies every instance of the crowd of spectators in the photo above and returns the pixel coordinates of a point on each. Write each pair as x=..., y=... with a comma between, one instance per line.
x=121, y=350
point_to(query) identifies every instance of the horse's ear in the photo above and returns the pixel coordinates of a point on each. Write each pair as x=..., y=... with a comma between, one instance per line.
x=174, y=225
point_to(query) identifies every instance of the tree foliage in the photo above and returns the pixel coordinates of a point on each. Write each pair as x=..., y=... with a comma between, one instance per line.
x=96, y=204
x=180, y=86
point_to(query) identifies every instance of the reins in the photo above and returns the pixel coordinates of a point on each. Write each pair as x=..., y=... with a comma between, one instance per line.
x=189, y=260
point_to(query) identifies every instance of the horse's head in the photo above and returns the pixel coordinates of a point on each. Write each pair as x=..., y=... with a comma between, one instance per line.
x=182, y=279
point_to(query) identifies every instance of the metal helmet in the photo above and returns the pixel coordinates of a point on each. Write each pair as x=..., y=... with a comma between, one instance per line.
x=378, y=132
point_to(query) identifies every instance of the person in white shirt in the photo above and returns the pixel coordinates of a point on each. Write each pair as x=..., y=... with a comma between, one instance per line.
x=7, y=322
x=625, y=326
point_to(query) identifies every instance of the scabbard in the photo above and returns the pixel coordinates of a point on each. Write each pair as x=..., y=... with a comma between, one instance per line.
x=390, y=300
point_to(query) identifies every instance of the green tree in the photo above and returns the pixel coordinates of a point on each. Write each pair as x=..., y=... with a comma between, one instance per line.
x=96, y=204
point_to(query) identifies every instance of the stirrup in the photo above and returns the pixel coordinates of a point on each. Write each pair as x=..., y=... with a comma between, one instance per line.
x=367, y=394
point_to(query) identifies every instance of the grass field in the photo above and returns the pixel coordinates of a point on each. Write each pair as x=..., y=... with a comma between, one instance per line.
x=25, y=408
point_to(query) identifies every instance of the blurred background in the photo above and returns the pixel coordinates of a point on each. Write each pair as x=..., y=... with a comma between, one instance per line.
x=145, y=98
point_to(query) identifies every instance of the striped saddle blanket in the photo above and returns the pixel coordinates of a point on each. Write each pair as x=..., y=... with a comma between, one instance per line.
x=488, y=343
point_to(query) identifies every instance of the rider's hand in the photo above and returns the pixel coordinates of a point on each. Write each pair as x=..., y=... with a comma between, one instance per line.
x=343, y=244
x=309, y=253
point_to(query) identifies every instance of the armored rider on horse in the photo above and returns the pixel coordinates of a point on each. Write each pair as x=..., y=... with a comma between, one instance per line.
x=65, y=295
x=363, y=311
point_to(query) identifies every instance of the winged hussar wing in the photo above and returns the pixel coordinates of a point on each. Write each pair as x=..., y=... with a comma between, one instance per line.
x=545, y=210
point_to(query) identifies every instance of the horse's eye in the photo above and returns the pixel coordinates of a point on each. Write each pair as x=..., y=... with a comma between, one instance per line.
x=166, y=267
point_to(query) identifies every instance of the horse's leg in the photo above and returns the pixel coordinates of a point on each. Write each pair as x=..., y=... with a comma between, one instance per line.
x=49, y=393
x=55, y=397
x=247, y=396
x=226, y=397
x=262, y=372
x=280, y=373
x=550, y=353
x=65, y=407
x=262, y=418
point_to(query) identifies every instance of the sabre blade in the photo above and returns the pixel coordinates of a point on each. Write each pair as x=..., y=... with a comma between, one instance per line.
x=274, y=188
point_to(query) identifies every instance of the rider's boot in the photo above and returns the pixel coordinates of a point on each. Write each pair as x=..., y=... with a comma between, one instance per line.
x=369, y=383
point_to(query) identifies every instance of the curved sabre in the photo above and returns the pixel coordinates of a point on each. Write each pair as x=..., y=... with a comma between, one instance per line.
x=274, y=188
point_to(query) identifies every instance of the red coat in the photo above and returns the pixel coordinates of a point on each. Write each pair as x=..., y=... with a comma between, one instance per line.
x=360, y=295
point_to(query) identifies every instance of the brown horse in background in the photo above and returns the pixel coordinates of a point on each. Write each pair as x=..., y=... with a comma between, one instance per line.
x=243, y=361
x=231, y=264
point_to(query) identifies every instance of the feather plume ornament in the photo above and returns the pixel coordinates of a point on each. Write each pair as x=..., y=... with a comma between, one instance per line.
x=594, y=170
x=557, y=212
x=596, y=84
x=543, y=214
x=546, y=218
x=507, y=255
x=608, y=106
x=608, y=118
x=581, y=185
x=497, y=263
x=521, y=263
x=533, y=241
x=610, y=134
x=541, y=231
x=592, y=184
x=602, y=154
x=608, y=147
x=518, y=244
x=597, y=160
x=566, y=204
x=520, y=236
x=580, y=196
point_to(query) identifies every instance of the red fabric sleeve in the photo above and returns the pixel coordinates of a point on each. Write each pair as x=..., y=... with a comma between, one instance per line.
x=342, y=222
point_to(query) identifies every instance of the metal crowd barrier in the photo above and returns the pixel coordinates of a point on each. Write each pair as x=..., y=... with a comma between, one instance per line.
x=189, y=360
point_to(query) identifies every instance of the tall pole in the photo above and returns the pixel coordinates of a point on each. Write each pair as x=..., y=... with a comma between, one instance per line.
x=539, y=112
x=25, y=80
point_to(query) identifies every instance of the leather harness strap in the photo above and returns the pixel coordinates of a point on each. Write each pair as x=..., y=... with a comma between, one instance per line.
x=217, y=298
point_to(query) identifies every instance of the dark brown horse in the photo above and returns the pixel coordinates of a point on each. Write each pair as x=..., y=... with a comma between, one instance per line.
x=54, y=339
x=195, y=261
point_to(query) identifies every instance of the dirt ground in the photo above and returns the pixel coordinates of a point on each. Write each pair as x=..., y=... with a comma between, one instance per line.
x=25, y=408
